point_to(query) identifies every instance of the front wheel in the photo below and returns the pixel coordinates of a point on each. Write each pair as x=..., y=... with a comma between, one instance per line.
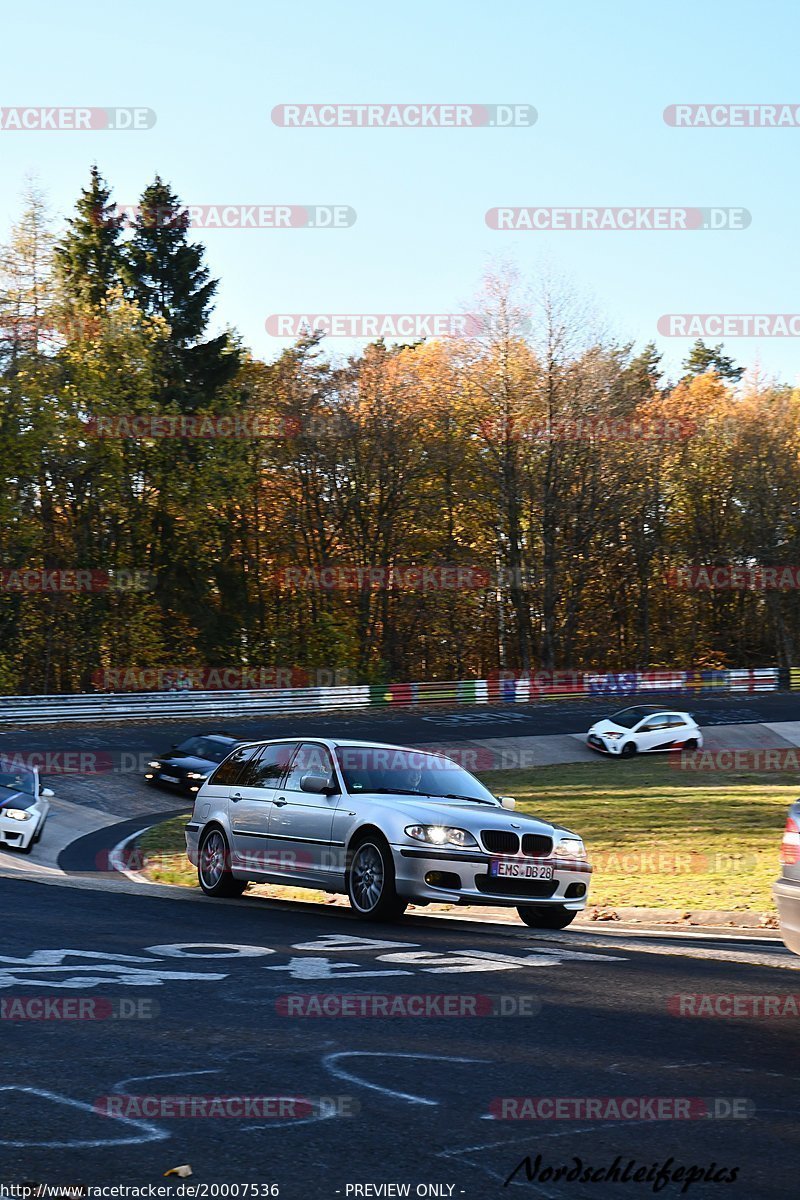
x=213, y=867
x=628, y=750
x=370, y=882
x=540, y=916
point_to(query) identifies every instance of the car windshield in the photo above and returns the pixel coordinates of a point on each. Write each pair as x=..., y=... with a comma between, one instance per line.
x=628, y=717
x=16, y=779
x=399, y=772
x=208, y=748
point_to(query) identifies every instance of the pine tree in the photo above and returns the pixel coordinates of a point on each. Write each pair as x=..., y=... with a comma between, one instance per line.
x=167, y=277
x=702, y=358
x=89, y=256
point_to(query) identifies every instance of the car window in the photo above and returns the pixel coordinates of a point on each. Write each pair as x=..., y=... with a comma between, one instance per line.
x=267, y=768
x=213, y=750
x=675, y=720
x=311, y=759
x=407, y=772
x=628, y=717
x=653, y=723
x=228, y=773
x=17, y=779
x=190, y=746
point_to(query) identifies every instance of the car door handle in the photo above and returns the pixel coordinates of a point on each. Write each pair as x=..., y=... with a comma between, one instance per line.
x=236, y=796
x=279, y=803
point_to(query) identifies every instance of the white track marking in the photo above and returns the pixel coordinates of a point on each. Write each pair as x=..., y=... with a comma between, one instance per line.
x=328, y=968
x=330, y=1062
x=208, y=950
x=118, y=1088
x=344, y=941
x=115, y=860
x=149, y=1132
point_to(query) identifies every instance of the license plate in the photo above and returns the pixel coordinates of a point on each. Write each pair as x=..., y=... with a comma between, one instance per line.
x=501, y=868
x=170, y=778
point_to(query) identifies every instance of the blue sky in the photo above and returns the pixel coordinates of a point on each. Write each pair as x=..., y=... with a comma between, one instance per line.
x=599, y=75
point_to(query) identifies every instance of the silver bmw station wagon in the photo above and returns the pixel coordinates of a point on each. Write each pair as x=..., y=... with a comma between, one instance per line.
x=385, y=825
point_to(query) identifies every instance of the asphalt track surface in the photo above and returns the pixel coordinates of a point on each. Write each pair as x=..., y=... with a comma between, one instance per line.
x=401, y=726
x=378, y=1099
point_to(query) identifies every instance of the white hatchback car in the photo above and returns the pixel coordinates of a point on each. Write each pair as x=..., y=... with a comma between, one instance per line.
x=643, y=729
x=24, y=805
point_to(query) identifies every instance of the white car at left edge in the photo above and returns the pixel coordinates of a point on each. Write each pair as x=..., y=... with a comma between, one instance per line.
x=24, y=806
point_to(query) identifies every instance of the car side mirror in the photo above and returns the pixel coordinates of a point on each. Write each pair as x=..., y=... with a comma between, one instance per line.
x=318, y=783
x=507, y=801
x=45, y=791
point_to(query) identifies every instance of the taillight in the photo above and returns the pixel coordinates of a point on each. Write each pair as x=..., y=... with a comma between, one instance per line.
x=790, y=846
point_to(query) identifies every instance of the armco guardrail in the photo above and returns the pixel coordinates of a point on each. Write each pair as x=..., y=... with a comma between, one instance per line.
x=504, y=687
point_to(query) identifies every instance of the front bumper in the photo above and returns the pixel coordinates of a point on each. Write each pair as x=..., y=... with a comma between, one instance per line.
x=596, y=741
x=18, y=835
x=431, y=875
x=787, y=897
x=188, y=787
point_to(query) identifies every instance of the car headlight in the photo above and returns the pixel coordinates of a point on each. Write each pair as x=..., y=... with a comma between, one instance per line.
x=154, y=764
x=612, y=736
x=571, y=848
x=195, y=775
x=441, y=835
x=16, y=814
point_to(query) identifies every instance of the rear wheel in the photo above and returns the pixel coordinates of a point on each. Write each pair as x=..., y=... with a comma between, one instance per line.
x=213, y=866
x=628, y=750
x=371, y=882
x=541, y=916
x=690, y=745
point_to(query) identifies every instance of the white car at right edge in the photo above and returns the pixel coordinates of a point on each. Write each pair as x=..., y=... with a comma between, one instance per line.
x=645, y=729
